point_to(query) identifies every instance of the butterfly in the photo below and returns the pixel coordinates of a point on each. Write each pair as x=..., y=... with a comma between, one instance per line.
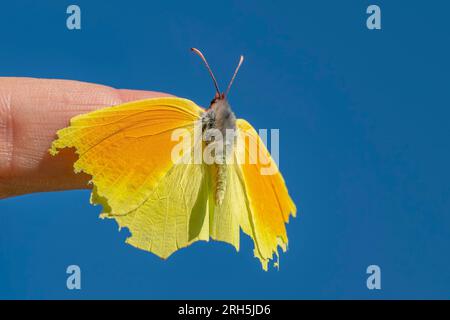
x=169, y=203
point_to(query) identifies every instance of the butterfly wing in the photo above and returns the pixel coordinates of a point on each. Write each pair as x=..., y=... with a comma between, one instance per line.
x=127, y=151
x=256, y=199
x=233, y=214
x=174, y=215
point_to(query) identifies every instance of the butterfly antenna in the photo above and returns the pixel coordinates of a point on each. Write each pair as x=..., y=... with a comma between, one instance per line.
x=198, y=52
x=234, y=75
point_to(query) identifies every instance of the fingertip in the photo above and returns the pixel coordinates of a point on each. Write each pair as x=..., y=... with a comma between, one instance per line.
x=127, y=95
x=38, y=108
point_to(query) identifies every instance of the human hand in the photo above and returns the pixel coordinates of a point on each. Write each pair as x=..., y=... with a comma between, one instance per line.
x=31, y=111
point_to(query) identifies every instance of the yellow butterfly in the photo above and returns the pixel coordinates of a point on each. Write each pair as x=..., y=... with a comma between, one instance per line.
x=168, y=204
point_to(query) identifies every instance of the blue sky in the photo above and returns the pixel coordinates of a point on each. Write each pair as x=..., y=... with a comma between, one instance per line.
x=363, y=118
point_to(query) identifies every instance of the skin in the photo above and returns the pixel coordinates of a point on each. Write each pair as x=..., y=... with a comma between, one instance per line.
x=31, y=111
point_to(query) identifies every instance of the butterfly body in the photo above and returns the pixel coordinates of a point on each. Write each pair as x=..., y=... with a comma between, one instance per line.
x=220, y=117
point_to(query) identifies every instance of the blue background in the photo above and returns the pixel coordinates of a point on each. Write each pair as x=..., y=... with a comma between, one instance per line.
x=364, y=128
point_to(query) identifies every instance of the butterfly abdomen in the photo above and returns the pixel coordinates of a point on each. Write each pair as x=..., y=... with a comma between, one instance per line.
x=221, y=183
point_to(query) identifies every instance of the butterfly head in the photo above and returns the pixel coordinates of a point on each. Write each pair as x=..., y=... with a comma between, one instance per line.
x=219, y=102
x=217, y=97
x=220, y=98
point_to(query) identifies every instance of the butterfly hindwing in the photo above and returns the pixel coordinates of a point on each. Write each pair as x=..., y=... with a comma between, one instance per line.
x=233, y=214
x=174, y=215
x=267, y=199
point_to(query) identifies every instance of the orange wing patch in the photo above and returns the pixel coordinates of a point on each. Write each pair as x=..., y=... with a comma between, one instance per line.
x=268, y=199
